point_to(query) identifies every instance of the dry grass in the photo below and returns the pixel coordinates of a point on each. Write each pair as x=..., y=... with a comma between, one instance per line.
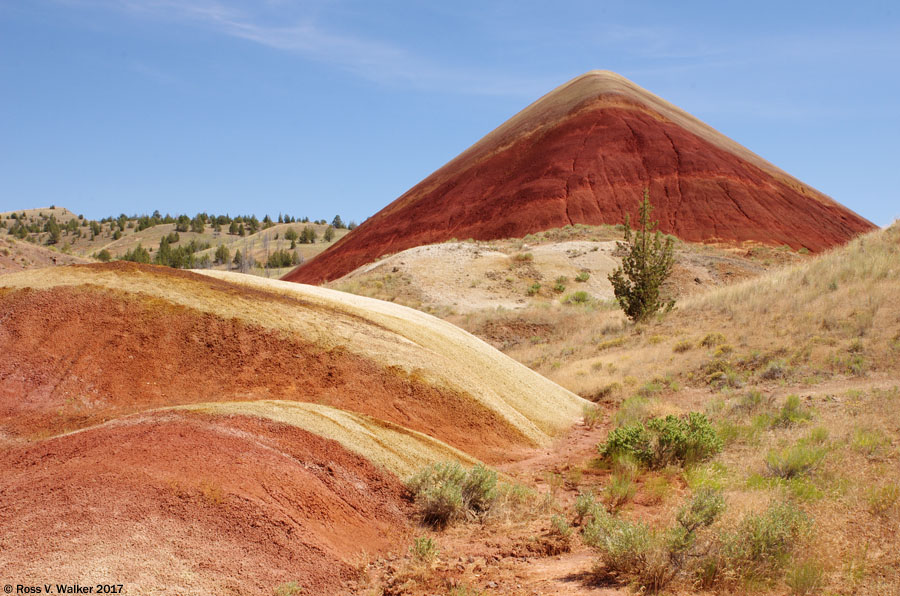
x=826, y=330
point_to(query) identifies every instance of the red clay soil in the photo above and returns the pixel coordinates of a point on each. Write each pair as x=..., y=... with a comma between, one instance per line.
x=194, y=504
x=79, y=356
x=589, y=164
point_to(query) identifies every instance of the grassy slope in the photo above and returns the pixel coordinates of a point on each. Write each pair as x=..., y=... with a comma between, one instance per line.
x=826, y=330
x=254, y=244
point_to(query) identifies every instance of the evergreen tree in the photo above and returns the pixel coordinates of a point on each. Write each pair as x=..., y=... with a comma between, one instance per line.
x=645, y=267
x=138, y=255
x=329, y=234
x=53, y=228
x=222, y=254
x=308, y=235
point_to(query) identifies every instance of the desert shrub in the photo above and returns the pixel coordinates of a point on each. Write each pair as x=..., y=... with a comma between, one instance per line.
x=791, y=413
x=559, y=286
x=682, y=346
x=585, y=506
x=662, y=441
x=711, y=340
x=104, y=256
x=752, y=402
x=776, y=369
x=560, y=526
x=523, y=257
x=533, y=289
x=805, y=578
x=579, y=297
x=582, y=277
x=446, y=492
x=619, y=490
x=762, y=541
x=704, y=508
x=635, y=553
x=853, y=363
x=611, y=343
x=630, y=552
x=424, y=549
x=794, y=461
x=591, y=415
x=723, y=350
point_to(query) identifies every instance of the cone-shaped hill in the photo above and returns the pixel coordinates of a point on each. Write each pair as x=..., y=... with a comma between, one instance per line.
x=582, y=154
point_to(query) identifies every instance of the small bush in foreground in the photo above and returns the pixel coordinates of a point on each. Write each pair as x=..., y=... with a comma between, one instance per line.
x=632, y=552
x=446, y=492
x=762, y=541
x=585, y=507
x=524, y=257
x=579, y=297
x=424, y=549
x=620, y=490
x=592, y=415
x=794, y=461
x=711, y=340
x=792, y=412
x=682, y=346
x=662, y=441
x=582, y=277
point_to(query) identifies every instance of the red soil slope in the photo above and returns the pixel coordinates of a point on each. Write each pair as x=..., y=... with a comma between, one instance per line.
x=582, y=154
x=79, y=356
x=194, y=504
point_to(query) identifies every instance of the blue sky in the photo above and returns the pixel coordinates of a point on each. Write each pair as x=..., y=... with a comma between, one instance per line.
x=339, y=106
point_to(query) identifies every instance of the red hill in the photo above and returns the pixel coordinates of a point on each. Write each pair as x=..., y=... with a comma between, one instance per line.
x=582, y=154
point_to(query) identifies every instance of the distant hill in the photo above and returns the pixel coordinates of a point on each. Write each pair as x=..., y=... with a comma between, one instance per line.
x=583, y=154
x=80, y=239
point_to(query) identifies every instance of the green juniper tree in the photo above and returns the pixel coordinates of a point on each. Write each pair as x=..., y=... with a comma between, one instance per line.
x=645, y=267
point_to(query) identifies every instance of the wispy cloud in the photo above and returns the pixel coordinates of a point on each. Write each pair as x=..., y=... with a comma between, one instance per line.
x=375, y=60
